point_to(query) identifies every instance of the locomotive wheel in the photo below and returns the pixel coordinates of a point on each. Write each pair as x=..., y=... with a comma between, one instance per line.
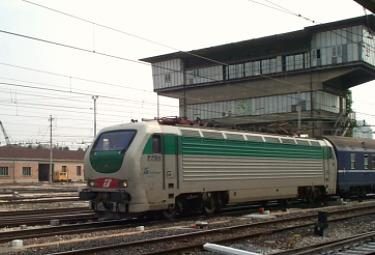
x=210, y=204
x=173, y=210
x=170, y=213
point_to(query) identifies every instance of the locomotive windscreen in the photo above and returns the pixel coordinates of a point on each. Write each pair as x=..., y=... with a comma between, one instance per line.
x=114, y=140
x=108, y=152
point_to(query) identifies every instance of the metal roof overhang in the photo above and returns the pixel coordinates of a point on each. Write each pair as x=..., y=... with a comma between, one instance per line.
x=291, y=42
x=368, y=4
x=361, y=74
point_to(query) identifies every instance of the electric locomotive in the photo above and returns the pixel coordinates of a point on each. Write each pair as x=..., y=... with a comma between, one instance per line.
x=148, y=166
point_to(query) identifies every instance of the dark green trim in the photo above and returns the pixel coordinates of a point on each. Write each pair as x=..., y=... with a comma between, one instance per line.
x=169, y=144
x=235, y=148
x=214, y=147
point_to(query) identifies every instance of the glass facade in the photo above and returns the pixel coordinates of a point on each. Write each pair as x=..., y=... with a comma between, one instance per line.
x=266, y=105
x=327, y=48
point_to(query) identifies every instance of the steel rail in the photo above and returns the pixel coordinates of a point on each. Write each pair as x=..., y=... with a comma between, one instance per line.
x=331, y=245
x=197, y=239
x=46, y=219
x=41, y=211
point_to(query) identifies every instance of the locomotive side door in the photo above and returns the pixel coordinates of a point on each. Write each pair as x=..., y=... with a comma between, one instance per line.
x=153, y=170
x=171, y=173
x=160, y=169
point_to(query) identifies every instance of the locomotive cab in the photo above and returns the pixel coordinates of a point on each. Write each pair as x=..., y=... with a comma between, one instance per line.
x=108, y=177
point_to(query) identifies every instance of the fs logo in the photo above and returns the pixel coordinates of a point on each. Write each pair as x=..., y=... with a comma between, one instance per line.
x=107, y=183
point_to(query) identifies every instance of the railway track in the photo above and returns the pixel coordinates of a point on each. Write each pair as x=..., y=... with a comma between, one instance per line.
x=42, y=217
x=361, y=244
x=67, y=229
x=23, y=197
x=196, y=238
x=38, y=200
x=40, y=211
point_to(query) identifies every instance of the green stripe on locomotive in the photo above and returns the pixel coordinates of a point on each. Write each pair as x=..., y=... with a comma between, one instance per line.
x=223, y=147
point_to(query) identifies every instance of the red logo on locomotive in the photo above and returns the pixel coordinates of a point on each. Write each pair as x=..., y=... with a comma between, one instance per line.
x=106, y=183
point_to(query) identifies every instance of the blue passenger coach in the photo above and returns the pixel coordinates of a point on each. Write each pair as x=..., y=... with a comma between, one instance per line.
x=356, y=165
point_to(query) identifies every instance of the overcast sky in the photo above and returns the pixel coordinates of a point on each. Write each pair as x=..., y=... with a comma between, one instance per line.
x=126, y=91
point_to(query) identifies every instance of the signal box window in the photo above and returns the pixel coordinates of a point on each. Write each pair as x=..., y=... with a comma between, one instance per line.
x=156, y=144
x=26, y=171
x=64, y=169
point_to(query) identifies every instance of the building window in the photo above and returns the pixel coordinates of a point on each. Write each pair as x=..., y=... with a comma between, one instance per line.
x=372, y=161
x=167, y=78
x=4, y=171
x=318, y=53
x=352, y=160
x=365, y=161
x=63, y=169
x=79, y=170
x=26, y=171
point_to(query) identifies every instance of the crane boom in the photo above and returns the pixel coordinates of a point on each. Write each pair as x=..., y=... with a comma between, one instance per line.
x=7, y=141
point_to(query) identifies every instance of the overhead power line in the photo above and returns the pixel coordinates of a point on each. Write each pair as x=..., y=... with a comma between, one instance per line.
x=280, y=8
x=150, y=40
x=76, y=92
x=74, y=77
x=117, y=30
x=191, y=107
x=72, y=47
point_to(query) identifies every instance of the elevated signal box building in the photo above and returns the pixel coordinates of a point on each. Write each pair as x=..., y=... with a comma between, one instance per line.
x=287, y=83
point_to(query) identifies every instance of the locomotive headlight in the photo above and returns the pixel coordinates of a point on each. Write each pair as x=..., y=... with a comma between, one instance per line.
x=91, y=183
x=125, y=184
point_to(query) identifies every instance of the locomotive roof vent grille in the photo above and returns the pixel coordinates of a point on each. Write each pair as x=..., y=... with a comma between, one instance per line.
x=234, y=137
x=190, y=133
x=254, y=138
x=303, y=142
x=315, y=143
x=271, y=139
x=288, y=141
x=214, y=135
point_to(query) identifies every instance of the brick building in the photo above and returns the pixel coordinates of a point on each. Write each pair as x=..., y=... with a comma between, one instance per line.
x=31, y=165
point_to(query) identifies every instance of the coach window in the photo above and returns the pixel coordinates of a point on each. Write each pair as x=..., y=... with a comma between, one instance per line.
x=156, y=144
x=372, y=166
x=365, y=161
x=352, y=160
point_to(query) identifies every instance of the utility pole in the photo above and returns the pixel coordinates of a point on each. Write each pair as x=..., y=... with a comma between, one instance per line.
x=50, y=150
x=94, y=98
